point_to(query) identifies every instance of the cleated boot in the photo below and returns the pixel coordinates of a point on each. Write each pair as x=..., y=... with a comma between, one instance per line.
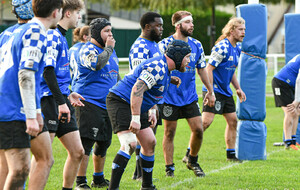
x=196, y=169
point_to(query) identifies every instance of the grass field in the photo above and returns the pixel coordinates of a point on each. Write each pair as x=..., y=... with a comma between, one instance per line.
x=279, y=171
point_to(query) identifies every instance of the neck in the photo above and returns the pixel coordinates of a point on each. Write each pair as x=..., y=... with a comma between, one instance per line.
x=179, y=36
x=171, y=63
x=64, y=24
x=232, y=41
x=45, y=21
x=146, y=36
x=96, y=43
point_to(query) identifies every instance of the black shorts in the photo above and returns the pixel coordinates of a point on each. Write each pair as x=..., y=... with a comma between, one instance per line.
x=173, y=113
x=50, y=112
x=159, y=120
x=93, y=122
x=284, y=94
x=13, y=135
x=120, y=114
x=223, y=104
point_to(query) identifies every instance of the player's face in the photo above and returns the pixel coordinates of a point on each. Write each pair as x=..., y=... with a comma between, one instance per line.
x=57, y=15
x=156, y=29
x=106, y=32
x=184, y=63
x=187, y=27
x=74, y=18
x=239, y=32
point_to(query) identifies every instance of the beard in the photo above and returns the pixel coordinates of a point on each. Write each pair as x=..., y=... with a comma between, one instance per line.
x=185, y=32
x=154, y=36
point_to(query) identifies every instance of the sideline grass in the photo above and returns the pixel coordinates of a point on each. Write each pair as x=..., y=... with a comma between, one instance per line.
x=279, y=171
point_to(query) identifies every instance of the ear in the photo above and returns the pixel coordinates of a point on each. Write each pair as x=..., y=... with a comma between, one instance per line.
x=55, y=13
x=147, y=27
x=68, y=13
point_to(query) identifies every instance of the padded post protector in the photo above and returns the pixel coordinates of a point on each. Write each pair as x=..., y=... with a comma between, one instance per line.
x=255, y=41
x=252, y=75
x=251, y=140
x=292, y=39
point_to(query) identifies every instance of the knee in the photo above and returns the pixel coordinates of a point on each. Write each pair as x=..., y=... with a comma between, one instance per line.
x=77, y=154
x=170, y=133
x=206, y=124
x=198, y=132
x=101, y=148
x=233, y=123
x=20, y=173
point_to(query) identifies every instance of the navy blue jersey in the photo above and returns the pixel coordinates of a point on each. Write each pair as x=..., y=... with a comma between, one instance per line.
x=57, y=57
x=154, y=72
x=94, y=85
x=24, y=49
x=225, y=58
x=141, y=50
x=186, y=93
x=289, y=72
x=74, y=61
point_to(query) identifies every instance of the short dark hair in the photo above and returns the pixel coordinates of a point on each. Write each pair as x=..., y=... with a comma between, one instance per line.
x=148, y=17
x=44, y=8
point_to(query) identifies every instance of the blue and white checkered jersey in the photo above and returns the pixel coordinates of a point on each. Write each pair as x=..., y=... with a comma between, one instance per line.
x=24, y=49
x=186, y=93
x=74, y=61
x=94, y=85
x=225, y=58
x=289, y=72
x=154, y=72
x=141, y=50
x=57, y=57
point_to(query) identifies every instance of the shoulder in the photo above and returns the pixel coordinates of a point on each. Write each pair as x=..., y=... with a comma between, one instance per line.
x=221, y=47
x=163, y=44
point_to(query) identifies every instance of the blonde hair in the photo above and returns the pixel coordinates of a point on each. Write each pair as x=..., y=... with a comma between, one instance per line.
x=231, y=25
x=178, y=16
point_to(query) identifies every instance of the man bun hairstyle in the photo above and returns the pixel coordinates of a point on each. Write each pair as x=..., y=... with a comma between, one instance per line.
x=96, y=26
x=23, y=9
x=177, y=50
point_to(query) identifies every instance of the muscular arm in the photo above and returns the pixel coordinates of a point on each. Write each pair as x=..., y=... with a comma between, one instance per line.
x=104, y=57
x=206, y=78
x=27, y=89
x=136, y=97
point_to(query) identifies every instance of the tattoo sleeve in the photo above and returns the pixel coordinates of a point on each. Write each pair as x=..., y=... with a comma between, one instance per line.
x=141, y=87
x=104, y=57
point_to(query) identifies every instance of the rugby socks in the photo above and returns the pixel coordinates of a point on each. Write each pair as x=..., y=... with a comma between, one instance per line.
x=294, y=138
x=80, y=180
x=288, y=142
x=170, y=167
x=98, y=177
x=147, y=163
x=118, y=166
x=230, y=153
x=138, y=170
x=187, y=152
x=193, y=159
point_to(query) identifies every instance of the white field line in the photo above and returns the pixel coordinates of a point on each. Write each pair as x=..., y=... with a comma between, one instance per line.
x=214, y=171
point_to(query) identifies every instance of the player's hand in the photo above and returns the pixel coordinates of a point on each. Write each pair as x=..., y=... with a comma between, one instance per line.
x=293, y=107
x=209, y=99
x=64, y=113
x=176, y=81
x=241, y=95
x=40, y=121
x=152, y=118
x=75, y=98
x=110, y=41
x=135, y=126
x=32, y=127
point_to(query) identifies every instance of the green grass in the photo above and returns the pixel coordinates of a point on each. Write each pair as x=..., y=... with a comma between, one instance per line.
x=279, y=171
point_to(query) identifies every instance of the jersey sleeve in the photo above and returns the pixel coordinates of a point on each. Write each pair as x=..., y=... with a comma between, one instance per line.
x=33, y=48
x=218, y=53
x=53, y=47
x=152, y=73
x=163, y=44
x=89, y=57
x=201, y=63
x=139, y=53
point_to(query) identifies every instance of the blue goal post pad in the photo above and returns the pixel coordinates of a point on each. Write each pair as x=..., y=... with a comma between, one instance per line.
x=252, y=75
x=292, y=38
x=251, y=140
x=255, y=41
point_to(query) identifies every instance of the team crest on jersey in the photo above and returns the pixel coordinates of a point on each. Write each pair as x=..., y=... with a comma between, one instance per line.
x=167, y=111
x=161, y=88
x=218, y=105
x=192, y=57
x=63, y=54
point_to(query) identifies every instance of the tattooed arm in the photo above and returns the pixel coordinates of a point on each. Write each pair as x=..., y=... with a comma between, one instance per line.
x=136, y=100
